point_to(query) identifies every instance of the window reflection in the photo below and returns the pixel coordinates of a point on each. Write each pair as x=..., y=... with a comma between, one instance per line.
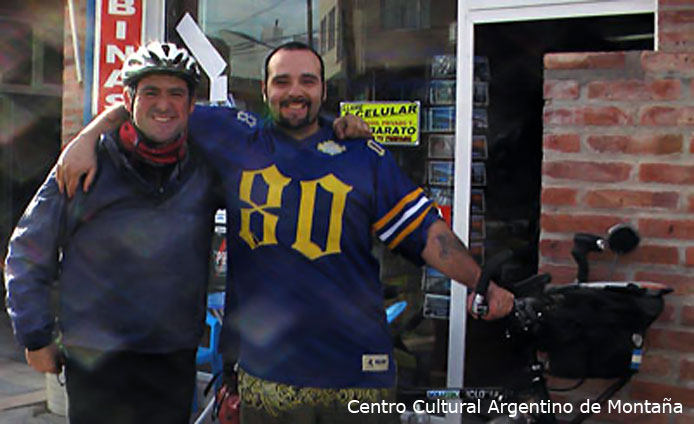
x=401, y=14
x=16, y=62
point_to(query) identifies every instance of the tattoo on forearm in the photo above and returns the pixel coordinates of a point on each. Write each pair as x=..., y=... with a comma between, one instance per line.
x=449, y=243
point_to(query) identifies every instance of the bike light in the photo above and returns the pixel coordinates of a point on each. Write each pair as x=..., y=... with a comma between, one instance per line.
x=622, y=238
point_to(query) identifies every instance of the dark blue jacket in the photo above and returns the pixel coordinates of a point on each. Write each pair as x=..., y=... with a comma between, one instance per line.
x=130, y=259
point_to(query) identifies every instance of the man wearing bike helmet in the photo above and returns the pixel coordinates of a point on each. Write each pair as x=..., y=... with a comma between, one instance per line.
x=302, y=208
x=130, y=258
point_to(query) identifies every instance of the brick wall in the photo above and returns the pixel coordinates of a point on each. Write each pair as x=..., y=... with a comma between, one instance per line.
x=619, y=147
x=676, y=25
x=73, y=92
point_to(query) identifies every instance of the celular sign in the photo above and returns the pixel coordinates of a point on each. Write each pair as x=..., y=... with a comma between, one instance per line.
x=395, y=123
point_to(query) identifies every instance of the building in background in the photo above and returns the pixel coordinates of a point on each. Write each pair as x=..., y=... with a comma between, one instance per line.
x=31, y=80
x=555, y=141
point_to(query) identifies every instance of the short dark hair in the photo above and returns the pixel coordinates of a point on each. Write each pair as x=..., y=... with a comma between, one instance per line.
x=294, y=45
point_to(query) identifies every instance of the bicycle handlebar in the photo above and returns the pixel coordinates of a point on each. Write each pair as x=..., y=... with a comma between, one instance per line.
x=584, y=243
x=479, y=301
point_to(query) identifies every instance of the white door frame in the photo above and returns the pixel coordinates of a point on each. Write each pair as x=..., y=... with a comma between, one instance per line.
x=154, y=26
x=470, y=13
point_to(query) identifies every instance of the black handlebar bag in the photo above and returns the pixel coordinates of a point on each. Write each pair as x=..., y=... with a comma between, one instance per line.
x=597, y=330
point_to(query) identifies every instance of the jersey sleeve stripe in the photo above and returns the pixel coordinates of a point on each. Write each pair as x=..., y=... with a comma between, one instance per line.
x=396, y=209
x=405, y=216
x=413, y=226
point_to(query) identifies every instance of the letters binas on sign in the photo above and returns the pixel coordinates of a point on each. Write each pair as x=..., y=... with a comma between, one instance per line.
x=121, y=7
x=118, y=32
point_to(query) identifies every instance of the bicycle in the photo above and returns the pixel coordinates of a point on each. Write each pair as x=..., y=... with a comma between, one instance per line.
x=577, y=331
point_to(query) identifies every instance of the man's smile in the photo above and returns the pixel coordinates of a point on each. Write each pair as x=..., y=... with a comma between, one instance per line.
x=163, y=119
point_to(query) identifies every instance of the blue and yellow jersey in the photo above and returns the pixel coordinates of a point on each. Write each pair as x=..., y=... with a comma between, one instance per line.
x=301, y=221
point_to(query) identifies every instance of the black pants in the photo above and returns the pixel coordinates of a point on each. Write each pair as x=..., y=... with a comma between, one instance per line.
x=129, y=387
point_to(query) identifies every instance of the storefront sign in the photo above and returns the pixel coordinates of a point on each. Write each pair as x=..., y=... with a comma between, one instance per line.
x=391, y=122
x=117, y=33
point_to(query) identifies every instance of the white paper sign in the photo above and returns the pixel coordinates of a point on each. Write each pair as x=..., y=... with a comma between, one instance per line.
x=211, y=62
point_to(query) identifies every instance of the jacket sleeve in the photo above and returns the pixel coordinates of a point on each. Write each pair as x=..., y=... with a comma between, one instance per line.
x=32, y=266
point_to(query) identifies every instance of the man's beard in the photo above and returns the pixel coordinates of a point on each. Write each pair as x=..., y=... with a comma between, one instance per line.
x=286, y=123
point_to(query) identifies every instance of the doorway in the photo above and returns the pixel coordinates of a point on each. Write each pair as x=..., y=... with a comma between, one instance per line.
x=514, y=52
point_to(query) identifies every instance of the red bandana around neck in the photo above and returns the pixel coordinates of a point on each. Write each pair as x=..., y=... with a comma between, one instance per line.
x=164, y=155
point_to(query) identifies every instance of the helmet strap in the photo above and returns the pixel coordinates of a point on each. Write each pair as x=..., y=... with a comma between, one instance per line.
x=135, y=142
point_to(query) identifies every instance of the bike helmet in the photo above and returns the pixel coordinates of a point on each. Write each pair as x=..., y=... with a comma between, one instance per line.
x=157, y=57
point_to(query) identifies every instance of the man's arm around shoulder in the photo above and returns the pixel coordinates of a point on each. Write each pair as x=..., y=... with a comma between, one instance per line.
x=78, y=158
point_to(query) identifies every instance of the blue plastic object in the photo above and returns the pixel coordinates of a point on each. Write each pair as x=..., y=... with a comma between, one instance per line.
x=210, y=354
x=215, y=301
x=394, y=310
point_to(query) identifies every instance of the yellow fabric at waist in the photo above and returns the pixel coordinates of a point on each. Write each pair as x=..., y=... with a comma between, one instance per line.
x=277, y=397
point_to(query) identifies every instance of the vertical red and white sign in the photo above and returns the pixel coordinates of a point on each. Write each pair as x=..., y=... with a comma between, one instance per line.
x=117, y=33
